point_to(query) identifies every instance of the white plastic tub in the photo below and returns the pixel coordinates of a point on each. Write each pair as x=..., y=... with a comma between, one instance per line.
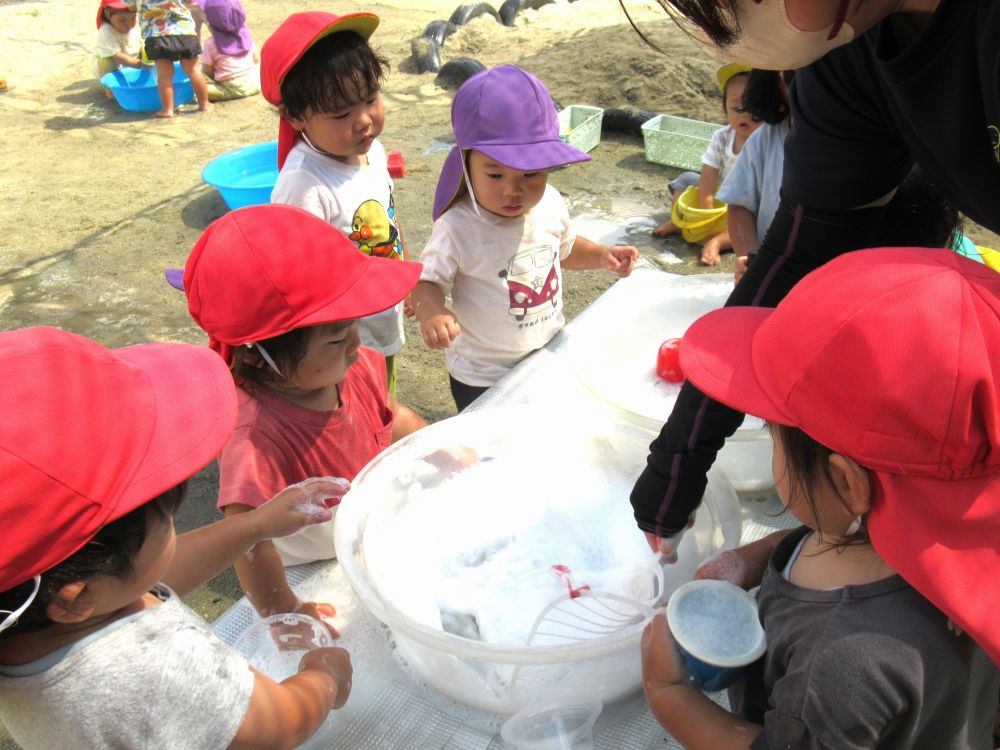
x=424, y=548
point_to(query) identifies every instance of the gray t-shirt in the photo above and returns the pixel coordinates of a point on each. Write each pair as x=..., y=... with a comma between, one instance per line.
x=861, y=667
x=158, y=679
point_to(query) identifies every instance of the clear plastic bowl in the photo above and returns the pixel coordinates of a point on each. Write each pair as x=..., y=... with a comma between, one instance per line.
x=560, y=725
x=542, y=476
x=275, y=645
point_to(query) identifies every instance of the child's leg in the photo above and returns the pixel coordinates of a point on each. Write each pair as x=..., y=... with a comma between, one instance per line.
x=165, y=85
x=198, y=83
x=464, y=394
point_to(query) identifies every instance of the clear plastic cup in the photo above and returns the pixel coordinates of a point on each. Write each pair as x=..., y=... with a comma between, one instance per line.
x=557, y=725
x=276, y=644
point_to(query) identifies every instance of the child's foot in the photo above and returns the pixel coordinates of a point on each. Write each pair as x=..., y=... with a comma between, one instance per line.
x=164, y=114
x=665, y=229
x=108, y=95
x=206, y=107
x=710, y=255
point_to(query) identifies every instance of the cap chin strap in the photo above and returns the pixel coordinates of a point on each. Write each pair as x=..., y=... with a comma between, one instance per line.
x=266, y=356
x=11, y=619
x=472, y=194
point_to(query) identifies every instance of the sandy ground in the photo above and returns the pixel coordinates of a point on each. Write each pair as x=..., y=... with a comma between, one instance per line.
x=98, y=201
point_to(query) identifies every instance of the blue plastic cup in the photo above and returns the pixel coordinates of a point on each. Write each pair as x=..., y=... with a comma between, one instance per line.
x=717, y=631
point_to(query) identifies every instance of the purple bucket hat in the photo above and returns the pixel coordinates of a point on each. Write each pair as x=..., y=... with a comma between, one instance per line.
x=227, y=20
x=507, y=114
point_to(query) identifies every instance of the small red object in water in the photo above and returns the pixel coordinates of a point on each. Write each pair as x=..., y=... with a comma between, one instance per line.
x=397, y=165
x=668, y=364
x=563, y=572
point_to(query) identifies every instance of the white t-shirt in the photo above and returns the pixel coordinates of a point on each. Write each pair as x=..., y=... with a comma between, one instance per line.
x=505, y=282
x=110, y=42
x=755, y=180
x=719, y=153
x=158, y=679
x=357, y=201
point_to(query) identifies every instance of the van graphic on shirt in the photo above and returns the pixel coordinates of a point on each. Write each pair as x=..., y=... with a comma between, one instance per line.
x=375, y=231
x=532, y=281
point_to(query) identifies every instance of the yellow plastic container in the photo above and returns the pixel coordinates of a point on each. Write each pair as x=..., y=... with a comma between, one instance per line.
x=697, y=224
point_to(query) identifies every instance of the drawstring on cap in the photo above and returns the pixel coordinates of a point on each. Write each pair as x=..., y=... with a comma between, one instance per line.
x=11, y=619
x=266, y=356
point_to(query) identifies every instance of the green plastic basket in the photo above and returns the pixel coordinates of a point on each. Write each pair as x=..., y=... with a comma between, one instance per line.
x=677, y=141
x=580, y=126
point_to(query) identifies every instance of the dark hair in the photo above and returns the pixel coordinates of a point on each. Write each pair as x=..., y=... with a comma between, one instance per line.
x=287, y=350
x=918, y=215
x=717, y=18
x=110, y=552
x=808, y=465
x=764, y=97
x=336, y=71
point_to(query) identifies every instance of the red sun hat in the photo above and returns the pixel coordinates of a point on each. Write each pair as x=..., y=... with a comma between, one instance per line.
x=261, y=271
x=890, y=356
x=286, y=46
x=113, y=4
x=90, y=434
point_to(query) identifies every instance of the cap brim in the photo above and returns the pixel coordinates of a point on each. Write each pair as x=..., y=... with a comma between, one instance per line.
x=530, y=157
x=941, y=536
x=383, y=284
x=195, y=412
x=716, y=355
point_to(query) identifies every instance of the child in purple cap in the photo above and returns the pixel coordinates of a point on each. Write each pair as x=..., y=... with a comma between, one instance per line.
x=501, y=234
x=229, y=58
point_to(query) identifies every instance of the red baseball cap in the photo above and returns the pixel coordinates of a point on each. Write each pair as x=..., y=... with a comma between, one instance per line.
x=261, y=271
x=285, y=47
x=890, y=356
x=89, y=434
x=113, y=4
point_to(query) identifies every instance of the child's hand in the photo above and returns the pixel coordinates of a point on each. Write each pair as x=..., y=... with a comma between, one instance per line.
x=619, y=259
x=300, y=505
x=440, y=330
x=661, y=664
x=321, y=611
x=337, y=663
x=408, y=309
x=727, y=565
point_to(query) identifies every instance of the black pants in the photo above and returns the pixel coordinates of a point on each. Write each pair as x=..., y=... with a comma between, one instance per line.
x=798, y=241
x=465, y=394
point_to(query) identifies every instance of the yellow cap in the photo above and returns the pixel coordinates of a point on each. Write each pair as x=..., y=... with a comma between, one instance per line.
x=726, y=72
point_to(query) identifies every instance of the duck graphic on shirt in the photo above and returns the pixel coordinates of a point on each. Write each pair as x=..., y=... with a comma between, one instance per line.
x=375, y=231
x=532, y=281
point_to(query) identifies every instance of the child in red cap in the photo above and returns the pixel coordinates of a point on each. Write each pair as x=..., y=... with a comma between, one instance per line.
x=118, y=43
x=96, y=648
x=279, y=292
x=321, y=73
x=880, y=612
x=502, y=234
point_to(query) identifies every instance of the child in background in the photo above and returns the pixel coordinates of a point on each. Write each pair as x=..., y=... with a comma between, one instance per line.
x=320, y=71
x=501, y=234
x=118, y=44
x=228, y=57
x=96, y=648
x=719, y=158
x=279, y=292
x=168, y=35
x=898, y=490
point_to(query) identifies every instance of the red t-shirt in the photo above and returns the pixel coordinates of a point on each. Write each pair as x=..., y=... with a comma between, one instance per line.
x=277, y=443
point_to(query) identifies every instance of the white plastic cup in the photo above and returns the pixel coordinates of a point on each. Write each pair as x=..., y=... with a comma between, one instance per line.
x=557, y=725
x=275, y=645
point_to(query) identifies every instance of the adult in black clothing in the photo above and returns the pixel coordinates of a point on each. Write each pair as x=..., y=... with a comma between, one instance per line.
x=881, y=85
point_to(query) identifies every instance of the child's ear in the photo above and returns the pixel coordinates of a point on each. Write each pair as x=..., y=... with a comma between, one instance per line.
x=298, y=123
x=73, y=603
x=850, y=479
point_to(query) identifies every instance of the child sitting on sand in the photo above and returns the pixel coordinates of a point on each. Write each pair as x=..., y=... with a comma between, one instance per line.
x=279, y=292
x=898, y=491
x=96, y=648
x=719, y=158
x=228, y=57
x=169, y=35
x=501, y=234
x=118, y=43
x=321, y=73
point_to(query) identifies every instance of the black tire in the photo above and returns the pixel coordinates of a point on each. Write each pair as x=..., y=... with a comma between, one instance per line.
x=455, y=72
x=426, y=54
x=625, y=120
x=438, y=31
x=508, y=11
x=465, y=13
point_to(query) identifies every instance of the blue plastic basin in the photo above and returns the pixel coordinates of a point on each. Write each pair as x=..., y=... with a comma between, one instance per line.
x=245, y=176
x=135, y=88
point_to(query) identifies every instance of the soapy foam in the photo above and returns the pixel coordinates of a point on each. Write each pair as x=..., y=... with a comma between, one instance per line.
x=717, y=625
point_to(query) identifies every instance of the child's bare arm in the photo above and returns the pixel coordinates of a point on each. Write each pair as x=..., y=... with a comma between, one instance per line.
x=405, y=421
x=587, y=254
x=742, y=223
x=745, y=565
x=205, y=552
x=285, y=714
x=438, y=324
x=708, y=183
x=124, y=58
x=691, y=717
